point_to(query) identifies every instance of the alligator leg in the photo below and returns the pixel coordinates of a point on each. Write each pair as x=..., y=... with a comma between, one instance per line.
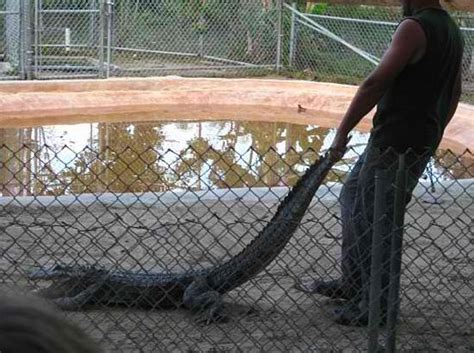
x=77, y=301
x=199, y=297
x=61, y=288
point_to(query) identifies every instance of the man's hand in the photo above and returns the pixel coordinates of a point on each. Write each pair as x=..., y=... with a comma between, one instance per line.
x=339, y=147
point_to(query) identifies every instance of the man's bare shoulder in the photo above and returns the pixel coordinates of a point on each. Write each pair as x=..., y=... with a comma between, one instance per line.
x=411, y=34
x=410, y=30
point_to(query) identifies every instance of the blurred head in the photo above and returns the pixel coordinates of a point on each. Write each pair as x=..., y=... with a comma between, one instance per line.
x=410, y=6
x=27, y=324
x=407, y=7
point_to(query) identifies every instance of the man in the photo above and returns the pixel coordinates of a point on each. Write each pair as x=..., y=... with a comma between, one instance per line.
x=416, y=88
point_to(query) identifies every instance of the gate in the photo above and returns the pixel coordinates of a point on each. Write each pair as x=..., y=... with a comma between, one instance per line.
x=68, y=39
x=10, y=39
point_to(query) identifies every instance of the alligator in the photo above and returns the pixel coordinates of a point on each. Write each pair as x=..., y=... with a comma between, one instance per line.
x=201, y=290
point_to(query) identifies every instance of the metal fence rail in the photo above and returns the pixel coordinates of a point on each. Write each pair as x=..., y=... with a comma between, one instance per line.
x=123, y=205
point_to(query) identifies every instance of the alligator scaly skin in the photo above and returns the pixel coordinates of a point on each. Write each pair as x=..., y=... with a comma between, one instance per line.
x=76, y=286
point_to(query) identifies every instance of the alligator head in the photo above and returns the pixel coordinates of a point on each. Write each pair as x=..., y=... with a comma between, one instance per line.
x=71, y=287
x=60, y=271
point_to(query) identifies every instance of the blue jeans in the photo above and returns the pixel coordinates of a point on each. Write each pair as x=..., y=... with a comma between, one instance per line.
x=357, y=209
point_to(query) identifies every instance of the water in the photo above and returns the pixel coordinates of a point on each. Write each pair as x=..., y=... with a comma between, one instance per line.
x=161, y=156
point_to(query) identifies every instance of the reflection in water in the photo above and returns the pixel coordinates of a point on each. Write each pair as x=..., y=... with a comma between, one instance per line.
x=161, y=156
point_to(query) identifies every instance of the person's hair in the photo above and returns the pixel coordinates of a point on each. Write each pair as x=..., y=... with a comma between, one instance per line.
x=28, y=324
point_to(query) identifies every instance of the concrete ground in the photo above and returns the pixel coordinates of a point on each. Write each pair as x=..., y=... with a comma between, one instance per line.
x=176, y=232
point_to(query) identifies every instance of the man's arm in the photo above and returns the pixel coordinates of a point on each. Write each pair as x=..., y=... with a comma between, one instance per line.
x=456, y=97
x=408, y=46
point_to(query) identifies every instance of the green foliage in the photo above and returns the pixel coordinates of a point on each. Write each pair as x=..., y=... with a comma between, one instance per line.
x=467, y=97
x=365, y=12
x=320, y=8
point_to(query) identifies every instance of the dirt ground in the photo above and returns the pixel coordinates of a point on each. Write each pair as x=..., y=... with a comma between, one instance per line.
x=437, y=304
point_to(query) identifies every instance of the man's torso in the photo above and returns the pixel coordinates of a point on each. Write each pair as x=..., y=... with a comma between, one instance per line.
x=414, y=111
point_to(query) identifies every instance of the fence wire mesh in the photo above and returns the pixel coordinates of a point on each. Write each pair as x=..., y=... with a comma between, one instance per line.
x=93, y=38
x=194, y=38
x=9, y=39
x=68, y=39
x=343, y=43
x=125, y=200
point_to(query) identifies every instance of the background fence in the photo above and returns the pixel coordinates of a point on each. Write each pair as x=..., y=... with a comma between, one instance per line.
x=347, y=41
x=9, y=39
x=124, y=200
x=101, y=38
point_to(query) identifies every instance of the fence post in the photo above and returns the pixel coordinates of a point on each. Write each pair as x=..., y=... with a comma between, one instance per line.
x=279, y=34
x=201, y=34
x=396, y=254
x=381, y=180
x=26, y=43
x=293, y=36
x=93, y=6
x=22, y=34
x=109, y=21
x=36, y=39
x=102, y=19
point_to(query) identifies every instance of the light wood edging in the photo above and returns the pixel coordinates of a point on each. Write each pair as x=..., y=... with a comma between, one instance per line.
x=37, y=103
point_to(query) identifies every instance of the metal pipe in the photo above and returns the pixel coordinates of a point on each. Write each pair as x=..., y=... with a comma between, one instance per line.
x=66, y=77
x=380, y=217
x=69, y=11
x=67, y=39
x=347, y=19
x=210, y=57
x=324, y=31
x=292, y=36
x=63, y=46
x=72, y=58
x=68, y=67
x=152, y=51
x=369, y=57
x=109, y=11
x=93, y=21
x=161, y=52
x=396, y=254
x=29, y=40
x=22, y=37
x=197, y=68
x=101, y=48
x=36, y=46
x=201, y=34
x=279, y=34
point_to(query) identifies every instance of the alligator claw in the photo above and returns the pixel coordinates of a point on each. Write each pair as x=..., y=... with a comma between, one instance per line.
x=208, y=318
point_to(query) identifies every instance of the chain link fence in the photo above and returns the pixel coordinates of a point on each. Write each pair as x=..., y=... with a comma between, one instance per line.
x=125, y=200
x=194, y=38
x=68, y=39
x=93, y=38
x=343, y=43
x=9, y=39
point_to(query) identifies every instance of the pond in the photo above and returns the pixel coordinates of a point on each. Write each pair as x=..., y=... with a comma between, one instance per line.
x=172, y=155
